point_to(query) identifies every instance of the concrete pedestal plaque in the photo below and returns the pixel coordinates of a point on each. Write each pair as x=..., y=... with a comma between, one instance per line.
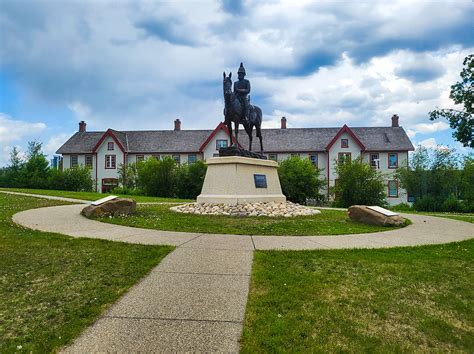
x=238, y=180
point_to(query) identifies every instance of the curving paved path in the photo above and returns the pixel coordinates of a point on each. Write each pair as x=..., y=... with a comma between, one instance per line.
x=194, y=300
x=67, y=220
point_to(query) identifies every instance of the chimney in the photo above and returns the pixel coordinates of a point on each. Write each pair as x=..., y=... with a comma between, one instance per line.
x=82, y=126
x=395, y=120
x=177, y=124
x=283, y=122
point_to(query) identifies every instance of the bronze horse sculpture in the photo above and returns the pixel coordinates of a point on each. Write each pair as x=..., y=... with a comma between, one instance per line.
x=234, y=112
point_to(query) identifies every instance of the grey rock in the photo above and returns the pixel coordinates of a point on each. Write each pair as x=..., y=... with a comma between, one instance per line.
x=368, y=216
x=115, y=207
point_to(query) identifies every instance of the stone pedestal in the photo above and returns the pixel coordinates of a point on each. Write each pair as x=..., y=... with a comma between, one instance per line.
x=237, y=180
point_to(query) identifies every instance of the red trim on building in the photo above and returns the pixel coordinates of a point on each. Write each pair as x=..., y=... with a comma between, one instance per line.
x=345, y=129
x=328, y=173
x=220, y=126
x=108, y=133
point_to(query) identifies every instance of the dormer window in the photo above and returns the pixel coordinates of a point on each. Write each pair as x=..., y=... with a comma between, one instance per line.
x=344, y=143
x=110, y=146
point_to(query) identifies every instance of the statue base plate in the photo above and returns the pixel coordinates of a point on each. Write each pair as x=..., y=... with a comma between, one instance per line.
x=235, y=151
x=239, y=180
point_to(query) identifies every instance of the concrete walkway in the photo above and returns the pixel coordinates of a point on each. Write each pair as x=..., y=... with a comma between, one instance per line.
x=194, y=300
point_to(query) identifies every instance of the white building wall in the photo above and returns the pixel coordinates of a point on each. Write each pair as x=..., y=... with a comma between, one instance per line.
x=388, y=173
x=81, y=159
x=66, y=161
x=210, y=148
x=102, y=172
x=354, y=149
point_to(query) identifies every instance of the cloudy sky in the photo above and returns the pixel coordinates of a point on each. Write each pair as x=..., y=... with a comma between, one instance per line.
x=140, y=65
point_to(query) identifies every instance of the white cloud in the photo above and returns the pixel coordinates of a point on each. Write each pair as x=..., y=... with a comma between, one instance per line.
x=12, y=131
x=55, y=142
x=111, y=72
x=81, y=110
x=427, y=128
x=431, y=143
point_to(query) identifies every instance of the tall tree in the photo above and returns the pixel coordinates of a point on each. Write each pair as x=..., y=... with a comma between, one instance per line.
x=35, y=173
x=462, y=93
x=15, y=159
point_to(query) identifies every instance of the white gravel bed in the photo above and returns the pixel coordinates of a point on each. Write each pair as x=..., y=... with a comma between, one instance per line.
x=273, y=209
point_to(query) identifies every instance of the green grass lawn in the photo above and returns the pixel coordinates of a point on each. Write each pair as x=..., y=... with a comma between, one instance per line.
x=417, y=299
x=329, y=222
x=93, y=195
x=53, y=286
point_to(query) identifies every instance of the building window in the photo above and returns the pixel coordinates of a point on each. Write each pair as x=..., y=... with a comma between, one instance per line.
x=375, y=161
x=273, y=157
x=314, y=159
x=177, y=158
x=393, y=160
x=89, y=161
x=344, y=143
x=393, y=189
x=344, y=157
x=140, y=158
x=110, y=146
x=191, y=158
x=74, y=160
x=156, y=156
x=110, y=161
x=221, y=144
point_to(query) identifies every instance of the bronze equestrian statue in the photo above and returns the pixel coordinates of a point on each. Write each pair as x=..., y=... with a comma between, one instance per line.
x=239, y=110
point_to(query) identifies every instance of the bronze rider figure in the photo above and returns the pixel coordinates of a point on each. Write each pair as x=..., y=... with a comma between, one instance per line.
x=242, y=89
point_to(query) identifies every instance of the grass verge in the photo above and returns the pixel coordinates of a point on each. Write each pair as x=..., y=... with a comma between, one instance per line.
x=93, y=195
x=389, y=300
x=53, y=286
x=159, y=217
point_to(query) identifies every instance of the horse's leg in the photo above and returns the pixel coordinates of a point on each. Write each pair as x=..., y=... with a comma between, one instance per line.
x=236, y=133
x=259, y=134
x=249, y=132
x=228, y=122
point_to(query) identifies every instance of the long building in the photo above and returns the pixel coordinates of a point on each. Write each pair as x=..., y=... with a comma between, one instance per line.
x=384, y=148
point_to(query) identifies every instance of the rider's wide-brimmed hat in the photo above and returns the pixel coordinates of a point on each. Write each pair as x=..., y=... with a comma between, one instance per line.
x=241, y=69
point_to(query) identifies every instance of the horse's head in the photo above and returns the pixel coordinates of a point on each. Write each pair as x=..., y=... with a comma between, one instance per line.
x=227, y=84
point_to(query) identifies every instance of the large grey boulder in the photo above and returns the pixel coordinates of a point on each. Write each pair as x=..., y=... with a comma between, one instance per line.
x=115, y=207
x=365, y=215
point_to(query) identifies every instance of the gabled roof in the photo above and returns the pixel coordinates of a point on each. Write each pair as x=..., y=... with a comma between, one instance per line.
x=345, y=129
x=119, y=138
x=274, y=140
x=220, y=126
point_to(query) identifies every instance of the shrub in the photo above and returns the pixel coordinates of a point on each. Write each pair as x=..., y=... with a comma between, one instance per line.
x=358, y=183
x=157, y=178
x=190, y=179
x=402, y=207
x=300, y=180
x=56, y=179
x=128, y=176
x=451, y=205
x=78, y=179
